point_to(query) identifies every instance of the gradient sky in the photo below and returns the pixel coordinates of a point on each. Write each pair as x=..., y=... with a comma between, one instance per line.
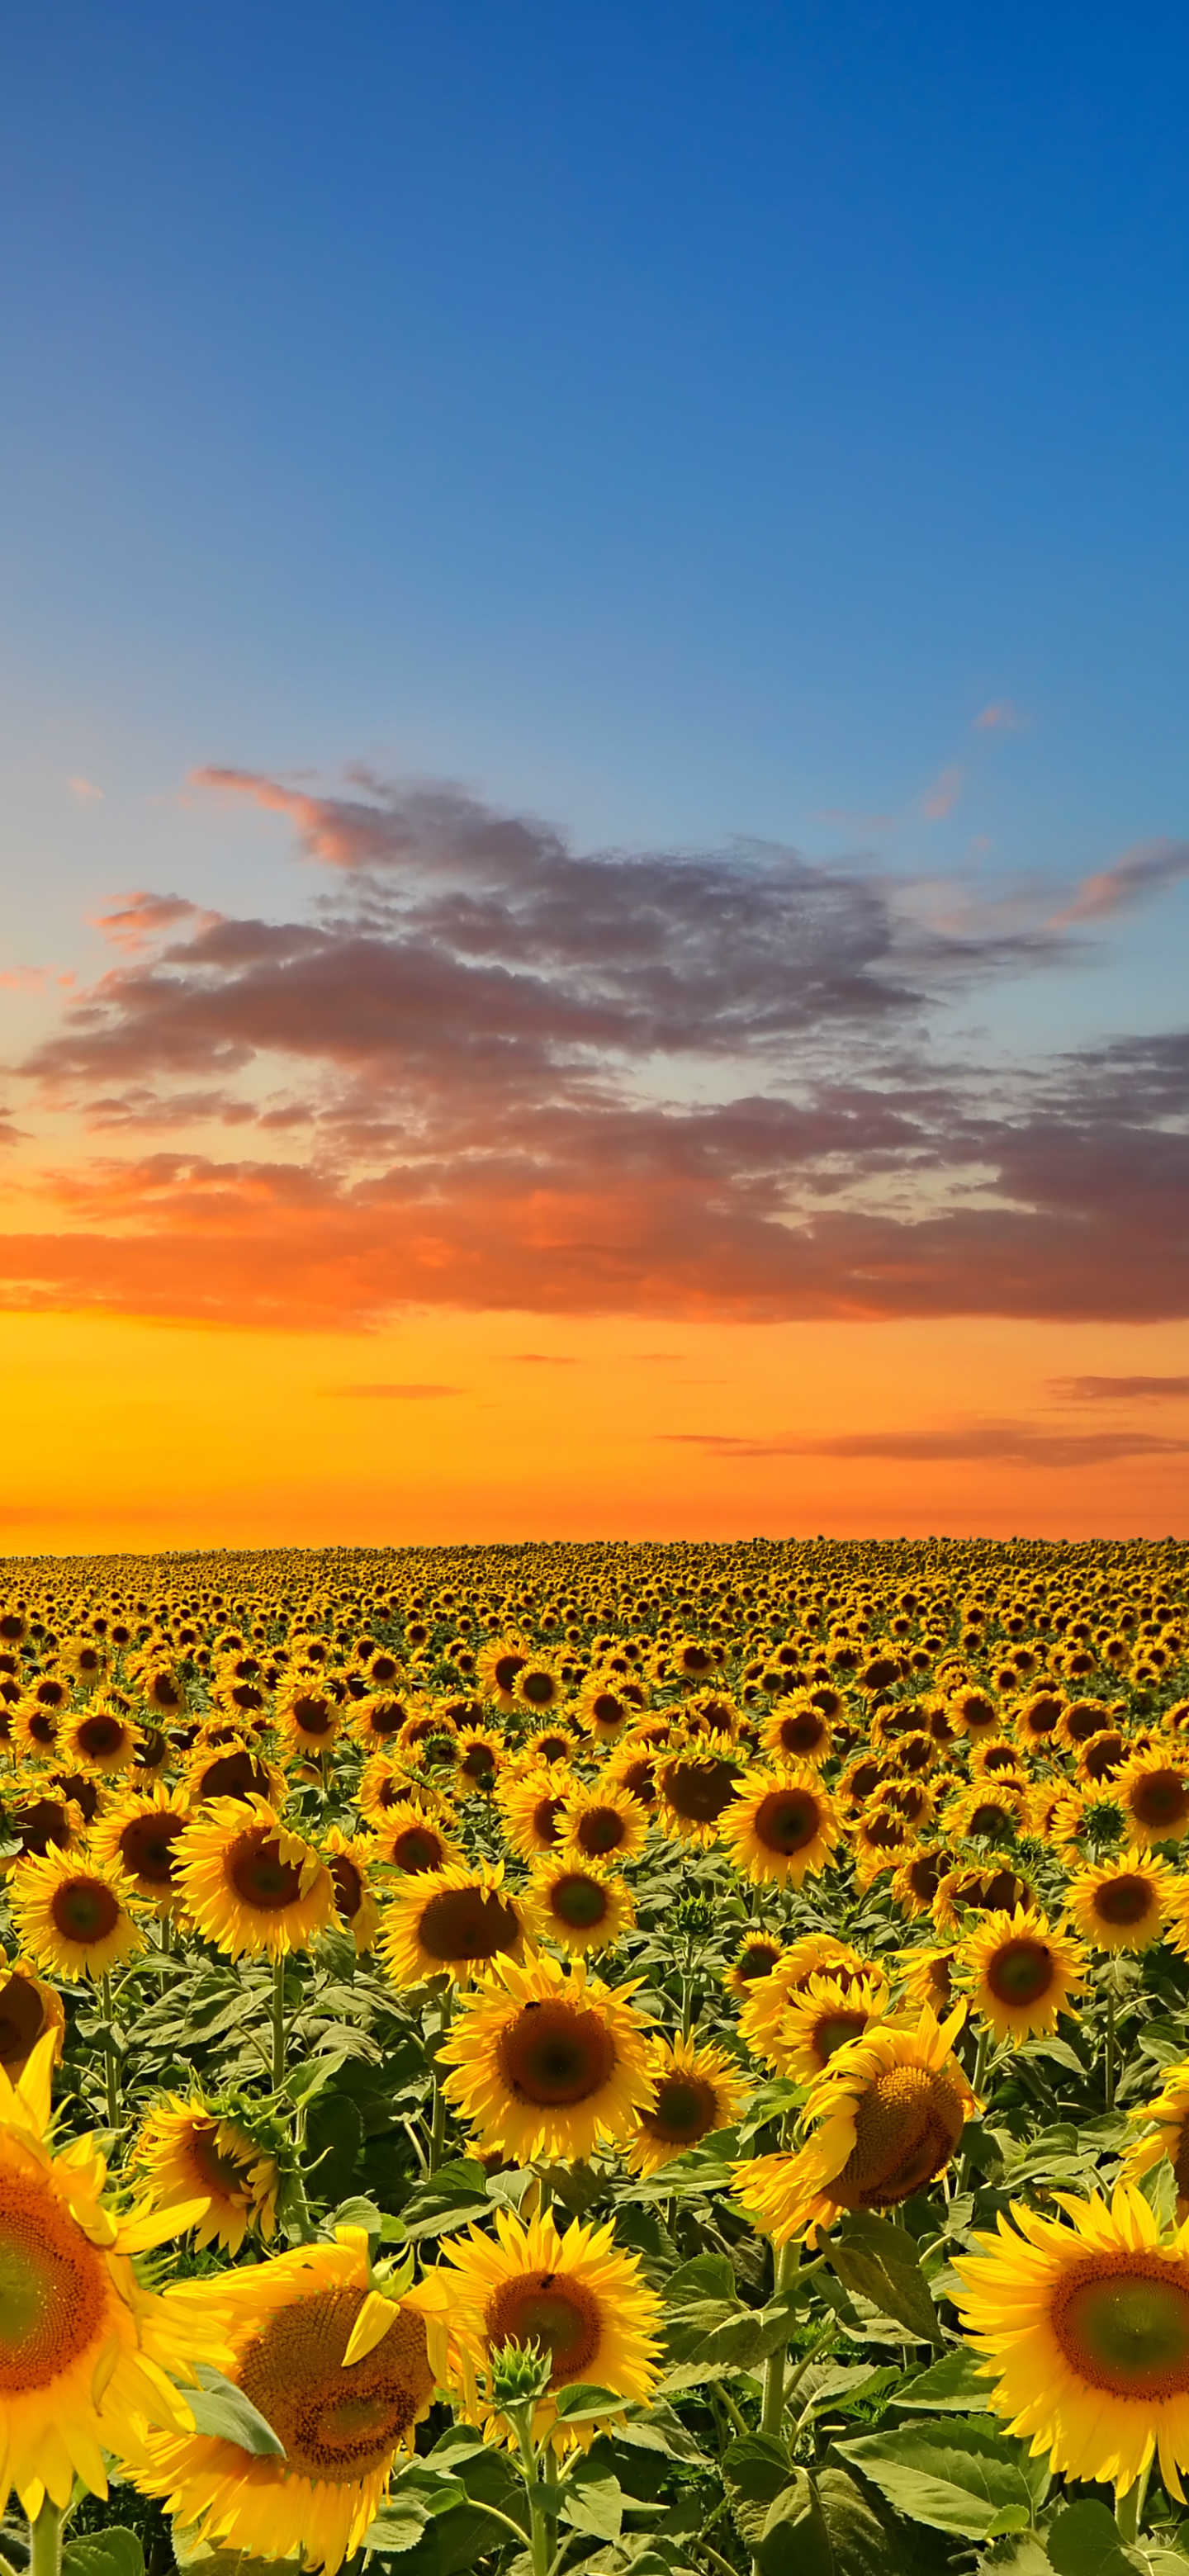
x=593, y=623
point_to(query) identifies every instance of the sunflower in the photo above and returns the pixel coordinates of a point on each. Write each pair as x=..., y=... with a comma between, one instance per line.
x=989, y=1810
x=1036, y=1719
x=577, y=2297
x=500, y=1660
x=554, y=1742
x=479, y=1759
x=696, y=2091
x=880, y=1840
x=308, y=1718
x=450, y=1922
x=975, y=1714
x=1084, y=2328
x=381, y=1717
x=759, y=1956
x=1153, y=1791
x=347, y=1858
x=343, y=2376
x=531, y=1803
x=190, y=2152
x=1019, y=1975
x=28, y=2009
x=781, y=1824
x=822, y=2018
x=215, y=1774
x=928, y=1979
x=1171, y=2111
x=888, y=2114
x=976, y=1891
x=547, y=2061
x=34, y=1729
x=140, y=1835
x=415, y=1838
x=99, y=1737
x=607, y=1712
x=385, y=1784
x=538, y=1686
x=86, y=2350
x=1122, y=1904
x=603, y=1823
x=915, y=1883
x=764, y=2019
x=249, y=1882
x=73, y=1916
x=796, y=1731
x=579, y=1905
x=694, y=1790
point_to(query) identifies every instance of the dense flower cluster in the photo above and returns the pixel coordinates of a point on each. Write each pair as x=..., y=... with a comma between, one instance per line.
x=578, y=2006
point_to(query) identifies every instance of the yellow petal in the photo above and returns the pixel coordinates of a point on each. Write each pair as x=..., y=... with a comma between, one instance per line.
x=143, y=2229
x=375, y=2318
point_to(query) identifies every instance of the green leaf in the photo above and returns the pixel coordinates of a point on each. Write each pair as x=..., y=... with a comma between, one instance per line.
x=1084, y=2541
x=593, y=2503
x=220, y=2408
x=359, y=2213
x=452, y=2197
x=880, y=2262
x=755, y=2471
x=397, y=2528
x=957, y=2477
x=334, y=2144
x=955, y=2381
x=581, y=2402
x=114, y=2551
x=825, y=2526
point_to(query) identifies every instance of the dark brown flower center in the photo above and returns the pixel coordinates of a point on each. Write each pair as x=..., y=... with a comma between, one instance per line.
x=1021, y=1971
x=907, y=2125
x=685, y=2109
x=146, y=1847
x=260, y=1874
x=417, y=1848
x=579, y=1902
x=1122, y=2321
x=699, y=1791
x=550, y=2309
x=84, y=1910
x=555, y=2053
x=1125, y=1901
x=22, y=2021
x=467, y=1923
x=338, y=2426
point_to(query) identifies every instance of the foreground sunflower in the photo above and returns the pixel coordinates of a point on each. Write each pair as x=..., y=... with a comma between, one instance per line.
x=28, y=2009
x=886, y=2118
x=781, y=1824
x=188, y=2151
x=532, y=1806
x=72, y=1916
x=342, y=2375
x=546, y=2061
x=1153, y=1791
x=824, y=2017
x=450, y=1922
x=1084, y=2328
x=249, y=1883
x=695, y=2092
x=1122, y=1904
x=413, y=1839
x=580, y=1906
x=1018, y=1974
x=576, y=2296
x=140, y=1835
x=1170, y=2110
x=85, y=2351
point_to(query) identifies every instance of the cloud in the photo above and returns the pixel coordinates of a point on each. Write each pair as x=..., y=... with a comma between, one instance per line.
x=1000, y=717
x=1015, y=1443
x=542, y=1359
x=941, y=798
x=140, y=921
x=1147, y=869
x=1119, y=1390
x=85, y=791
x=400, y=1394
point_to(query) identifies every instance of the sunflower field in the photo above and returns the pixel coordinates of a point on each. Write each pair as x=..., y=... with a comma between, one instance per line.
x=626, y=2060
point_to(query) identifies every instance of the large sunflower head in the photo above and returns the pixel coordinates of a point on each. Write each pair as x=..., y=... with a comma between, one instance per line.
x=781, y=1824
x=381, y=1717
x=1082, y=2327
x=217, y=1774
x=796, y=1731
x=1153, y=1791
x=1122, y=1904
x=28, y=2010
x=308, y=1718
x=500, y=1660
x=249, y=1883
x=140, y=1835
x=696, y=2090
x=885, y=2119
x=1170, y=2111
x=73, y=1915
x=450, y=1922
x=85, y=2351
x=1019, y=1975
x=581, y=2300
x=342, y=2374
x=547, y=2061
x=188, y=2152
x=578, y=1904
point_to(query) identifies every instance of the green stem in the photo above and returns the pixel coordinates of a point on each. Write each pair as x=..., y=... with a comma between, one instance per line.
x=110, y=2069
x=45, y=2540
x=437, y=2135
x=980, y=2069
x=540, y=2546
x=278, y=2021
x=1129, y=2509
x=772, y=2410
x=1110, y=2044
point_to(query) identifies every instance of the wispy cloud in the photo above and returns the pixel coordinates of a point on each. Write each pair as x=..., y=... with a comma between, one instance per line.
x=941, y=798
x=84, y=791
x=1119, y=1390
x=1000, y=717
x=1149, y=868
x=410, y=1394
x=1015, y=1443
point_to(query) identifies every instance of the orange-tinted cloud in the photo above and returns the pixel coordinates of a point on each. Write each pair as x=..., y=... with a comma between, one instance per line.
x=1145, y=870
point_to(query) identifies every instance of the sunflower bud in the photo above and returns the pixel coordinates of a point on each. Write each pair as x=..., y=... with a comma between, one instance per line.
x=520, y=2374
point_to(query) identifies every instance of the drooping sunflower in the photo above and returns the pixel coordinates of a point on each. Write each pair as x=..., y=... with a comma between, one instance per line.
x=577, y=2296
x=547, y=2061
x=696, y=2091
x=822, y=2018
x=604, y=1822
x=86, y=2350
x=885, y=2118
x=1122, y=1904
x=928, y=1979
x=1083, y=2329
x=28, y=2009
x=140, y=1835
x=249, y=1882
x=188, y=2152
x=72, y=1915
x=343, y=2376
x=781, y=1824
x=759, y=1956
x=415, y=1838
x=578, y=1904
x=1018, y=1974
x=347, y=1857
x=1153, y=1791
x=1170, y=2110
x=450, y=1922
